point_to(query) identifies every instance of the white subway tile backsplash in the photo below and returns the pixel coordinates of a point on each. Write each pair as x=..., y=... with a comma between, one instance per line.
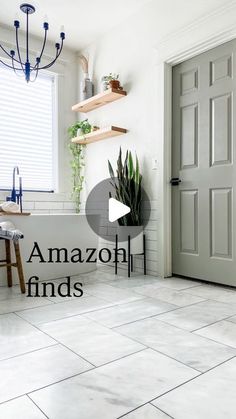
x=151, y=225
x=28, y=205
x=103, y=222
x=150, y=264
x=151, y=255
x=40, y=211
x=153, y=204
x=69, y=205
x=151, y=245
x=103, y=231
x=112, y=231
x=69, y=211
x=59, y=211
x=151, y=235
x=152, y=216
x=48, y=205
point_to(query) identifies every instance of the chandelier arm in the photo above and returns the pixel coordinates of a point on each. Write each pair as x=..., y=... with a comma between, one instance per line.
x=18, y=50
x=36, y=66
x=9, y=55
x=57, y=55
x=44, y=43
x=9, y=66
x=50, y=64
x=36, y=75
x=17, y=69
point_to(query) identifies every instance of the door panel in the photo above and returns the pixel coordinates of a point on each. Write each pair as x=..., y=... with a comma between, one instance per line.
x=221, y=223
x=189, y=221
x=189, y=81
x=220, y=128
x=203, y=157
x=220, y=68
x=189, y=136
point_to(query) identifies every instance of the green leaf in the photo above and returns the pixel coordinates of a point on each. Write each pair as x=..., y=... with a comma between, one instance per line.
x=130, y=166
x=137, y=170
x=111, y=171
x=127, y=186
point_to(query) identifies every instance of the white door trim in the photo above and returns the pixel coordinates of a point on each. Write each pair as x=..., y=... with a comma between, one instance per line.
x=202, y=35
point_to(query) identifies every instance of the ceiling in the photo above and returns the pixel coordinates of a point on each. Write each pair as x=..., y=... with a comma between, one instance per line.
x=84, y=20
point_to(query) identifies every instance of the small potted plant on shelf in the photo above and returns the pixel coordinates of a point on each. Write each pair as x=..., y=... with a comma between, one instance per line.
x=80, y=128
x=111, y=81
x=127, y=186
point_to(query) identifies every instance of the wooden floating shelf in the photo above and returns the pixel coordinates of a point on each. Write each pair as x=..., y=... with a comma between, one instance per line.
x=108, y=96
x=2, y=213
x=98, y=135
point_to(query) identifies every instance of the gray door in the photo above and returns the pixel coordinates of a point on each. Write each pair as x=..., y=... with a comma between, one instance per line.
x=204, y=156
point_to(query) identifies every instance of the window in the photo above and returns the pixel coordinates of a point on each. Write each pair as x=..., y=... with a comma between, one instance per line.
x=26, y=131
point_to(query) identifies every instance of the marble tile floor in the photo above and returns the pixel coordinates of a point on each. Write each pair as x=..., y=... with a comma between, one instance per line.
x=139, y=348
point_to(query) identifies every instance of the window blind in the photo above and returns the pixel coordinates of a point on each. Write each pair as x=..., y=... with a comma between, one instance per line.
x=26, y=130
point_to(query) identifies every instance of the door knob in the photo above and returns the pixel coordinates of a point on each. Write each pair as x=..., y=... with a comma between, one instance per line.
x=175, y=181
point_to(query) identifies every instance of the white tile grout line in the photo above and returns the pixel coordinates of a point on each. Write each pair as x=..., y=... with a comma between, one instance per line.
x=192, y=379
x=32, y=401
x=29, y=352
x=142, y=405
x=158, y=408
x=56, y=344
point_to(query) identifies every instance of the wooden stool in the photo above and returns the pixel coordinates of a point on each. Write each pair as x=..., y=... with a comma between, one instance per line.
x=8, y=263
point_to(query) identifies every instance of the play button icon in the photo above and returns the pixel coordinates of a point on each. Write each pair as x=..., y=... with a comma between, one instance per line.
x=112, y=212
x=116, y=210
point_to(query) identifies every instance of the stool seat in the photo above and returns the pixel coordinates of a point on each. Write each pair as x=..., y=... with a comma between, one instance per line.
x=7, y=263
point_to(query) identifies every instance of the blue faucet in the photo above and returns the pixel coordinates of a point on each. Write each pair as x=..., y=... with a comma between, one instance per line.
x=13, y=192
x=16, y=196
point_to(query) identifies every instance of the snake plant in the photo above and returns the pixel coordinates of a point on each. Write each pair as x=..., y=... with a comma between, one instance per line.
x=127, y=187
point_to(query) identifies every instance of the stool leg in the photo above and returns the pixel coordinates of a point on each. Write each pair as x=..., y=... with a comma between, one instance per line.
x=8, y=261
x=19, y=266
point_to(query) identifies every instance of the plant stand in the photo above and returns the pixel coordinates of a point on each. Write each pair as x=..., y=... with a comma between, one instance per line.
x=130, y=256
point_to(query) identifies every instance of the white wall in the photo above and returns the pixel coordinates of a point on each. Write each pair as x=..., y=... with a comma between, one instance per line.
x=129, y=51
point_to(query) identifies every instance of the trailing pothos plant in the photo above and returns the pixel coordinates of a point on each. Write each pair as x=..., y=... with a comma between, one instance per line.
x=78, y=161
x=84, y=125
x=127, y=186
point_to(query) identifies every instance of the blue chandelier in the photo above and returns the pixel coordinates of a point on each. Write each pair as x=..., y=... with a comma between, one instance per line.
x=30, y=70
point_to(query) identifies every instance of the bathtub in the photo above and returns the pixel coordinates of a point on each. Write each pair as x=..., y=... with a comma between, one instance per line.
x=69, y=231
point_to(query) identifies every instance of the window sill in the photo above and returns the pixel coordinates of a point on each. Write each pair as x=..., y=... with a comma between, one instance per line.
x=40, y=196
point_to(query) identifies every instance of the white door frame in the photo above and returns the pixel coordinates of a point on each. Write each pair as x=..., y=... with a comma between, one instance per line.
x=192, y=40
